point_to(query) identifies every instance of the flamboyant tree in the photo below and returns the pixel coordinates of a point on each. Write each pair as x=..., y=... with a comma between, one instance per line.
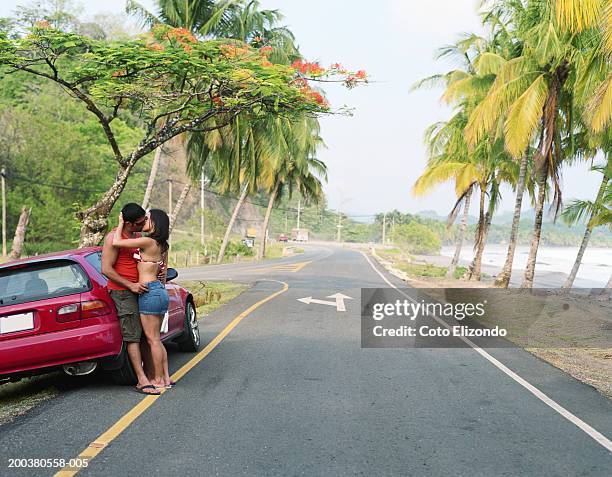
x=174, y=82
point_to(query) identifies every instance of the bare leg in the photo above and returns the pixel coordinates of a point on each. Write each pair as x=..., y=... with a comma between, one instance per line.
x=151, y=325
x=133, y=350
x=145, y=351
x=165, y=367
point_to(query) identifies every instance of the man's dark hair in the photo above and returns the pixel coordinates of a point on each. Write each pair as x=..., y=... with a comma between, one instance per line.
x=132, y=212
x=161, y=228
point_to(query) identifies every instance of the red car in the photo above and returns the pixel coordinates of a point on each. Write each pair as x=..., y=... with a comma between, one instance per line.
x=55, y=312
x=283, y=238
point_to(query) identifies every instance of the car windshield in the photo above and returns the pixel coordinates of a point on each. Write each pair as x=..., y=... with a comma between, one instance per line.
x=39, y=281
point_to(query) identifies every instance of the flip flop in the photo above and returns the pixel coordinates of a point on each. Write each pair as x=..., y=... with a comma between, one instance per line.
x=169, y=386
x=142, y=390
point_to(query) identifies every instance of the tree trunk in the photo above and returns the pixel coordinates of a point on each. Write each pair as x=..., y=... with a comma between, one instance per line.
x=462, y=229
x=20, y=232
x=231, y=224
x=609, y=285
x=543, y=165
x=503, y=279
x=94, y=220
x=473, y=272
x=179, y=205
x=537, y=230
x=587, y=235
x=261, y=253
x=152, y=175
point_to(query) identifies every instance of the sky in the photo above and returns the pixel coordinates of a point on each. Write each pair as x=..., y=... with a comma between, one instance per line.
x=374, y=156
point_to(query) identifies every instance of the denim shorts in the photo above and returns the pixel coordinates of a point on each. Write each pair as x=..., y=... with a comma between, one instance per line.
x=155, y=301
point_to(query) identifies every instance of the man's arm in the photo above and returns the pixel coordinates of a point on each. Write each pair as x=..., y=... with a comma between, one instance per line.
x=109, y=257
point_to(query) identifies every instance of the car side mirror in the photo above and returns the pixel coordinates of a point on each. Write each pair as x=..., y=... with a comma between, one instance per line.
x=171, y=274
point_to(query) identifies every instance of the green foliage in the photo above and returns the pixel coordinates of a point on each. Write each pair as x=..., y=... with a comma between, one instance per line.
x=56, y=159
x=416, y=238
x=234, y=248
x=459, y=272
x=426, y=270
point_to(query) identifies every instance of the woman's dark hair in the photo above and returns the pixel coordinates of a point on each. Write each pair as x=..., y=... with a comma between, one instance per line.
x=161, y=228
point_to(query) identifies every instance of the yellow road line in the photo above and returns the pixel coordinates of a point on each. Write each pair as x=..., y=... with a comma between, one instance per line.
x=288, y=267
x=300, y=266
x=128, y=418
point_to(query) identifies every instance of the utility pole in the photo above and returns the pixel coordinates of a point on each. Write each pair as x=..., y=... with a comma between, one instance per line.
x=286, y=222
x=339, y=225
x=384, y=237
x=299, y=211
x=169, y=207
x=3, y=212
x=202, y=208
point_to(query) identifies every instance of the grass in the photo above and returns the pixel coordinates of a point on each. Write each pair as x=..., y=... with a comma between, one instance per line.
x=274, y=250
x=459, y=272
x=208, y=296
x=422, y=270
x=18, y=398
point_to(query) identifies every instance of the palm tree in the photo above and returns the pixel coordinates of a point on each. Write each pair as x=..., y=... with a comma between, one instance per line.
x=240, y=158
x=534, y=93
x=249, y=149
x=297, y=169
x=466, y=199
x=450, y=156
x=599, y=213
x=449, y=159
x=200, y=17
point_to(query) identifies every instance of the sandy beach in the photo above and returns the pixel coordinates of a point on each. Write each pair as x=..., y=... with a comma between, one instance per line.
x=553, y=264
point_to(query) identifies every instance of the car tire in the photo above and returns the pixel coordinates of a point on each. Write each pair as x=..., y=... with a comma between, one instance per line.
x=191, y=338
x=125, y=375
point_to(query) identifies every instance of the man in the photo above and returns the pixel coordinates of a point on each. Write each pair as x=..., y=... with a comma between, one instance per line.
x=121, y=268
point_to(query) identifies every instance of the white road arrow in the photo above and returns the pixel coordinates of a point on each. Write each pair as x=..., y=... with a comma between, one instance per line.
x=339, y=303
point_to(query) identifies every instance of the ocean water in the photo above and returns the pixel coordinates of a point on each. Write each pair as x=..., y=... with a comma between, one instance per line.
x=594, y=272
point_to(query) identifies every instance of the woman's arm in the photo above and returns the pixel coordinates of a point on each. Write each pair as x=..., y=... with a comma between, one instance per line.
x=120, y=242
x=142, y=242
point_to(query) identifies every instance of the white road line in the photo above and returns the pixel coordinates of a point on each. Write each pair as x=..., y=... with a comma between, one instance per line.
x=593, y=433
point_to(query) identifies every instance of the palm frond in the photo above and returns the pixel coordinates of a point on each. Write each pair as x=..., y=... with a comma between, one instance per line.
x=599, y=108
x=578, y=15
x=524, y=117
x=146, y=18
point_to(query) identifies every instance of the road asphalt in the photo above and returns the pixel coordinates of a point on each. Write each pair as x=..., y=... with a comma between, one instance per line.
x=290, y=391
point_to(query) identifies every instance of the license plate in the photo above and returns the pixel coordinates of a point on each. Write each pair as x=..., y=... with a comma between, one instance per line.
x=13, y=323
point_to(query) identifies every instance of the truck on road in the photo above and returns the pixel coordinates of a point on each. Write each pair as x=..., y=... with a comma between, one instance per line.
x=299, y=235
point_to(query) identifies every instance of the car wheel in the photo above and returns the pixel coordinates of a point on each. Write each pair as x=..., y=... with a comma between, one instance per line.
x=191, y=337
x=125, y=375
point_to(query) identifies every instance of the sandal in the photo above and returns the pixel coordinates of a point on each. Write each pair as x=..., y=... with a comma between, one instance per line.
x=148, y=386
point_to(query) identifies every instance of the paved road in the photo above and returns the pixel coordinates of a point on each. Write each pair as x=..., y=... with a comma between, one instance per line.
x=289, y=391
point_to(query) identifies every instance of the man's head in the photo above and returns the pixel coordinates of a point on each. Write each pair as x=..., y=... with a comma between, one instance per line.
x=134, y=217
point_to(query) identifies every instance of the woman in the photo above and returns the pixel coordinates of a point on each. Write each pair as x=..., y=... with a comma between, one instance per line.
x=153, y=305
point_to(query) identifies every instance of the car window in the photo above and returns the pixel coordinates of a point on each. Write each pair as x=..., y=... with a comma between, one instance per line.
x=40, y=281
x=95, y=259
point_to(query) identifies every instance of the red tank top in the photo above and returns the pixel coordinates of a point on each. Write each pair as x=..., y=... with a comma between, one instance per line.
x=126, y=264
